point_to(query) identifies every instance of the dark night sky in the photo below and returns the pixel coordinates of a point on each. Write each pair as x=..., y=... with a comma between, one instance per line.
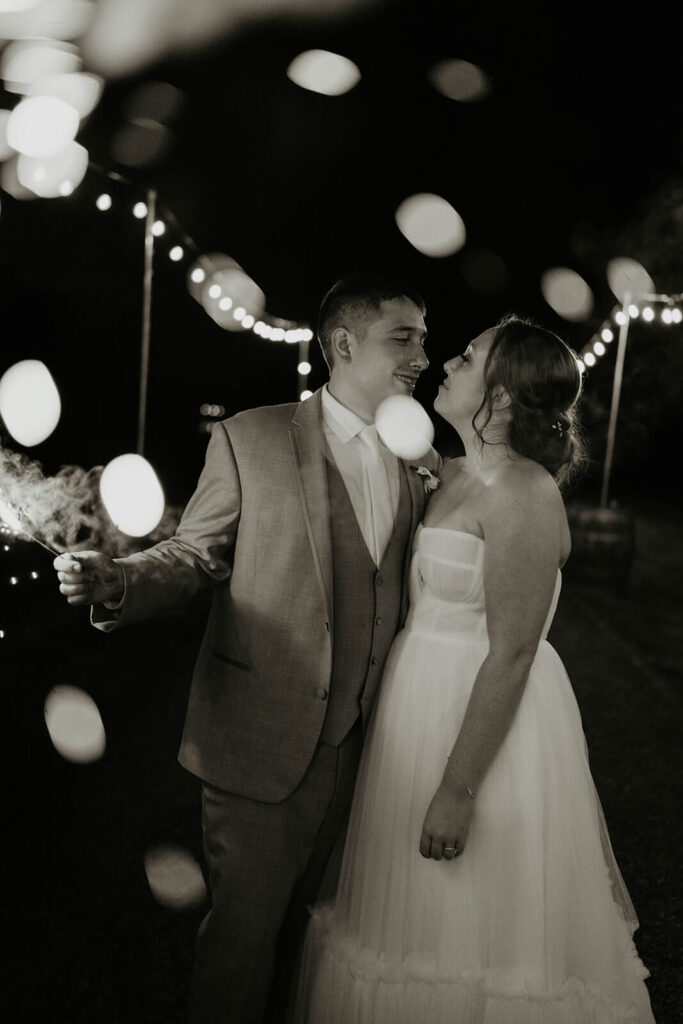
x=583, y=126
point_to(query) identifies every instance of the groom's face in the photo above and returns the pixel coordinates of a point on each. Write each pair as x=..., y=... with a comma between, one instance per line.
x=387, y=354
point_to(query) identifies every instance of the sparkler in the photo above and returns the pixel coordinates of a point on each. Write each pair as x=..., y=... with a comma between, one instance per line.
x=11, y=519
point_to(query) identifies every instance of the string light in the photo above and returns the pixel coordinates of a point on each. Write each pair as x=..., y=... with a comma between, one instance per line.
x=226, y=301
x=671, y=313
x=140, y=210
x=158, y=228
x=198, y=275
x=176, y=253
x=214, y=292
x=103, y=202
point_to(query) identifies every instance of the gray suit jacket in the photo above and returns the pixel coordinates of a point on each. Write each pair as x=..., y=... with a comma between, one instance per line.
x=258, y=527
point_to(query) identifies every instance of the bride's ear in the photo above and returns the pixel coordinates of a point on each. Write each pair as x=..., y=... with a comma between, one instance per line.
x=500, y=399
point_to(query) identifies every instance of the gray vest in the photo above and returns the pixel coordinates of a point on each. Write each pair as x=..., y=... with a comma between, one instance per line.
x=367, y=606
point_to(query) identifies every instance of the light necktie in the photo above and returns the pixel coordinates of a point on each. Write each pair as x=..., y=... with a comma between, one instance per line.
x=381, y=516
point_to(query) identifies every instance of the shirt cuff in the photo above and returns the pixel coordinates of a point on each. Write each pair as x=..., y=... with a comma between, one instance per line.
x=114, y=606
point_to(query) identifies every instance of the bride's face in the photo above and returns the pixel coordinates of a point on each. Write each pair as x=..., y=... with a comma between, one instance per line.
x=462, y=393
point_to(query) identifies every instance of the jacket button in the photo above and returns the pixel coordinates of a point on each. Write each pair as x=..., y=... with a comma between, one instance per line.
x=373, y=660
x=321, y=692
x=379, y=620
x=379, y=580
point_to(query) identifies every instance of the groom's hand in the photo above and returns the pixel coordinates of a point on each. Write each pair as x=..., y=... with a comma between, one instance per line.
x=89, y=577
x=446, y=824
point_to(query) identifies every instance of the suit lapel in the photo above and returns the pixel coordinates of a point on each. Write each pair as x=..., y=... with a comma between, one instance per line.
x=417, y=501
x=308, y=447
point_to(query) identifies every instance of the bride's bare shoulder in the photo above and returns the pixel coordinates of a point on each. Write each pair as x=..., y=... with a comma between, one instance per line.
x=525, y=485
x=453, y=467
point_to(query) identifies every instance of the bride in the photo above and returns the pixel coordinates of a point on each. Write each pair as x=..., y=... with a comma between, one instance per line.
x=478, y=883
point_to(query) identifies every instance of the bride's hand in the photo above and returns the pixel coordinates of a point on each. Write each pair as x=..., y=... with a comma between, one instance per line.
x=446, y=824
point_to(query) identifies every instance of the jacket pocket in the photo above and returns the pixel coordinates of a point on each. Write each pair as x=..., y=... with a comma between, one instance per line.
x=243, y=665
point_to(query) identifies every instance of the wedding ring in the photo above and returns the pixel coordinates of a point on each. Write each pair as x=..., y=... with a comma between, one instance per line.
x=449, y=849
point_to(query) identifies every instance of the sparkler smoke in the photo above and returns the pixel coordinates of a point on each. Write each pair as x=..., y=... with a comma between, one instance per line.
x=65, y=511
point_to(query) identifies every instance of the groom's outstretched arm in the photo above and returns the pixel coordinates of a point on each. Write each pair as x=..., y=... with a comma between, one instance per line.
x=169, y=574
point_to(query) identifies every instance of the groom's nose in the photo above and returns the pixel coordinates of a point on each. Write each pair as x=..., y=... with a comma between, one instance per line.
x=419, y=359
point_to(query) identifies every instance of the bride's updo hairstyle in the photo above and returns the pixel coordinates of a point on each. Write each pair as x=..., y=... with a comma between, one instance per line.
x=541, y=375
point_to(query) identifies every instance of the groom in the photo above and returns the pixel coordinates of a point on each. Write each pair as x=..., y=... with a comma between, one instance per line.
x=303, y=521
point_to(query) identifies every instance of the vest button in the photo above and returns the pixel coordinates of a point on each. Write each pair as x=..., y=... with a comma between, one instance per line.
x=379, y=580
x=379, y=620
x=373, y=660
x=321, y=692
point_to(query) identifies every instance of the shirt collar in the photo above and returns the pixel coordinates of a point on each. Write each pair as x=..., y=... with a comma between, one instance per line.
x=341, y=421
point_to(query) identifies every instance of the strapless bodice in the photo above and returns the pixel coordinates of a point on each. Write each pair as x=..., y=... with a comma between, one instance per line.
x=447, y=586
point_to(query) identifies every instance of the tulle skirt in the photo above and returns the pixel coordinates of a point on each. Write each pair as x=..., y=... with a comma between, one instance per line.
x=531, y=925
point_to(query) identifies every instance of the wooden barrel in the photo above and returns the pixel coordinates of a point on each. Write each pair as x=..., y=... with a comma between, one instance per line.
x=603, y=544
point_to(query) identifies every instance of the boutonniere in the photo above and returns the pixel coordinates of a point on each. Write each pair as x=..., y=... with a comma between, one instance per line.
x=430, y=481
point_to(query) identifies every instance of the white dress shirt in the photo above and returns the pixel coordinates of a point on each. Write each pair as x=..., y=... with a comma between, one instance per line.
x=369, y=470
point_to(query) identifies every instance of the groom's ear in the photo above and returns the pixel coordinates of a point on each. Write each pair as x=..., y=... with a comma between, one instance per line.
x=340, y=340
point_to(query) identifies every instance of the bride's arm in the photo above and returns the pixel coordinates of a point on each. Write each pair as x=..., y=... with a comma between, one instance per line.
x=522, y=529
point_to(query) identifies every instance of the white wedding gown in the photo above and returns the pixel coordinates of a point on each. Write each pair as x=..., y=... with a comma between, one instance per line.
x=532, y=924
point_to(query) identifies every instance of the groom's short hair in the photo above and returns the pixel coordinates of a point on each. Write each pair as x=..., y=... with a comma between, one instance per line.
x=354, y=300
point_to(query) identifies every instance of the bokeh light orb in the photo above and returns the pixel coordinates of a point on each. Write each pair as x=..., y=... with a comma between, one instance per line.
x=140, y=144
x=29, y=402
x=567, y=293
x=404, y=426
x=57, y=175
x=174, y=877
x=45, y=19
x=628, y=275
x=431, y=225
x=132, y=494
x=80, y=91
x=460, y=81
x=25, y=61
x=42, y=125
x=74, y=724
x=226, y=291
x=323, y=72
x=6, y=150
x=10, y=182
x=484, y=271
